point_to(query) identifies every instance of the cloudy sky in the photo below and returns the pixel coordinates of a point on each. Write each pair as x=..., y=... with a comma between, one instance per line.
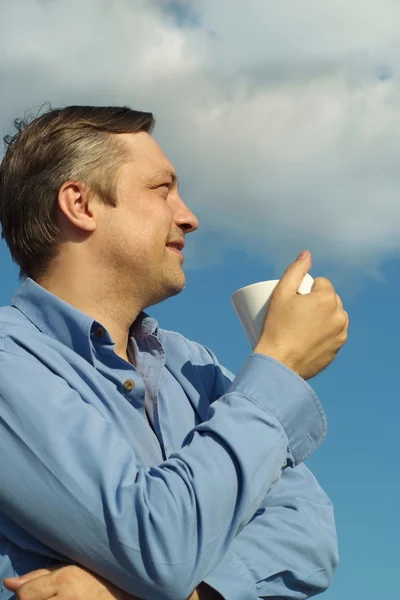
x=282, y=117
x=283, y=120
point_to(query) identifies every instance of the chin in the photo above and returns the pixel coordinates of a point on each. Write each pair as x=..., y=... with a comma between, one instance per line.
x=178, y=285
x=168, y=289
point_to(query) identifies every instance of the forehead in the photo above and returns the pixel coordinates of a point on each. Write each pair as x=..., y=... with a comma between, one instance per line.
x=148, y=159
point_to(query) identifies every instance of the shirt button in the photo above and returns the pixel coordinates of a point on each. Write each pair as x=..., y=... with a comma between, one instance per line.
x=129, y=385
x=100, y=332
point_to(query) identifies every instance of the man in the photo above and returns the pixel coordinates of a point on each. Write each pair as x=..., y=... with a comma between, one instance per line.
x=127, y=449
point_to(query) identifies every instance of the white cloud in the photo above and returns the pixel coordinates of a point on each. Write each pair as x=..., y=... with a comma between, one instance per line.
x=283, y=117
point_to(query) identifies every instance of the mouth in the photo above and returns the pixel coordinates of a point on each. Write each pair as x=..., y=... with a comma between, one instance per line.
x=176, y=246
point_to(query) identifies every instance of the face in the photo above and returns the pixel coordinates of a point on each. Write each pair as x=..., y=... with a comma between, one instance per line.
x=142, y=239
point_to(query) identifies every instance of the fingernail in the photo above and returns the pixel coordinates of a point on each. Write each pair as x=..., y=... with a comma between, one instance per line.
x=302, y=254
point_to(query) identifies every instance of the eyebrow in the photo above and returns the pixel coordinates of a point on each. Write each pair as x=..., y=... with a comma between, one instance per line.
x=155, y=177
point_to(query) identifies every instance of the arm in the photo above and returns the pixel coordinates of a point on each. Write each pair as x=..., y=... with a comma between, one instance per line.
x=65, y=582
x=156, y=532
x=70, y=581
x=288, y=550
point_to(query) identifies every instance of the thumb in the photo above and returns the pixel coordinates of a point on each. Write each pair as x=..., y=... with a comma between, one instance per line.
x=12, y=583
x=294, y=274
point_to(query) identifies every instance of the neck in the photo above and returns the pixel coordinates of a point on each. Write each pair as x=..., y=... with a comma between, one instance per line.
x=100, y=297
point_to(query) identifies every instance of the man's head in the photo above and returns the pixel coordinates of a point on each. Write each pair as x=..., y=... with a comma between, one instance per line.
x=90, y=184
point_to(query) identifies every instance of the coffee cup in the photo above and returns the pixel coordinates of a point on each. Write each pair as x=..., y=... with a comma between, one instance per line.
x=251, y=304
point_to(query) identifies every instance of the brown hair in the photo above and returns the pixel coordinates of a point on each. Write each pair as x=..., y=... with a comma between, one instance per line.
x=74, y=143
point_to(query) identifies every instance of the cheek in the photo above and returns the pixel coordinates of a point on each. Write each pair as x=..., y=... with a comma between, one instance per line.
x=158, y=220
x=142, y=228
x=120, y=235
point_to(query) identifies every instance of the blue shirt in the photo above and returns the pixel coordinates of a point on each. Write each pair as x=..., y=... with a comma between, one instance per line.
x=214, y=490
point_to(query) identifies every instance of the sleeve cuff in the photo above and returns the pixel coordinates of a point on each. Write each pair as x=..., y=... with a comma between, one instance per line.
x=232, y=580
x=284, y=394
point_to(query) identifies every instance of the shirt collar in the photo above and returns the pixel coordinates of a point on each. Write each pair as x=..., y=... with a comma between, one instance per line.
x=144, y=325
x=64, y=322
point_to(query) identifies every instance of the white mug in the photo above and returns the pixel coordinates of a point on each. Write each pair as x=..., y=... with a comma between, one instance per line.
x=251, y=303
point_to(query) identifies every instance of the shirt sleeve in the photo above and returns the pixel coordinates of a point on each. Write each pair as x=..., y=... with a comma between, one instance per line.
x=72, y=487
x=289, y=549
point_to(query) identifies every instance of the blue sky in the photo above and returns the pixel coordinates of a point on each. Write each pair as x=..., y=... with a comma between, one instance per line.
x=282, y=120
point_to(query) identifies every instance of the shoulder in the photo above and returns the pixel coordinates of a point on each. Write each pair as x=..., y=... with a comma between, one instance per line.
x=23, y=345
x=15, y=330
x=9, y=316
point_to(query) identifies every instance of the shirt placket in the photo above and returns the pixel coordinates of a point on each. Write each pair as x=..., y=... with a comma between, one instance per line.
x=150, y=357
x=125, y=376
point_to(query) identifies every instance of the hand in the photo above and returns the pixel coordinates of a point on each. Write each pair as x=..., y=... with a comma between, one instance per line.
x=66, y=583
x=70, y=582
x=304, y=332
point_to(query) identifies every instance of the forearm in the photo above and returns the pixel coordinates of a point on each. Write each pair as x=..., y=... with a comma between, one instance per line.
x=72, y=581
x=150, y=531
x=289, y=549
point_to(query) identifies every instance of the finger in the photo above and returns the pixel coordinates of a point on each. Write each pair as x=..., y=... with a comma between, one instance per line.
x=339, y=301
x=321, y=284
x=294, y=275
x=40, y=588
x=13, y=583
x=344, y=331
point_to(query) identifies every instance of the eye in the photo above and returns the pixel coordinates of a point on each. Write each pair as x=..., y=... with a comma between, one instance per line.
x=164, y=189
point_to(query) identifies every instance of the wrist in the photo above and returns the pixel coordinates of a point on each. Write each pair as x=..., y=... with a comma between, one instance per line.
x=279, y=354
x=272, y=352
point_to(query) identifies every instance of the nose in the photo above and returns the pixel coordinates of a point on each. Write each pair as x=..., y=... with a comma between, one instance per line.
x=185, y=219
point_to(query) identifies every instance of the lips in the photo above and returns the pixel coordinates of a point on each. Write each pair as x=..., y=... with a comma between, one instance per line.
x=178, y=245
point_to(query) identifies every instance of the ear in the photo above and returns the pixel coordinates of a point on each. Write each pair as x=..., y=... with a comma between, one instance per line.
x=76, y=202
